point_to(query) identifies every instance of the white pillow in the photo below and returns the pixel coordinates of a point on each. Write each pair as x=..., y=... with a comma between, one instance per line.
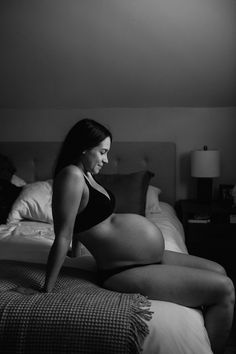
x=33, y=203
x=17, y=181
x=152, y=200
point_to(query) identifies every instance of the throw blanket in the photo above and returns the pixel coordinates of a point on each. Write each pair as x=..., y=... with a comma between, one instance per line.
x=77, y=317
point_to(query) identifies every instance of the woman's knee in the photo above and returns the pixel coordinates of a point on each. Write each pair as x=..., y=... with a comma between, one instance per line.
x=228, y=289
x=219, y=268
x=231, y=289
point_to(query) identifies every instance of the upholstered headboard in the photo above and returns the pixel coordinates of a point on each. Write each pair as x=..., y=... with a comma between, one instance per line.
x=35, y=161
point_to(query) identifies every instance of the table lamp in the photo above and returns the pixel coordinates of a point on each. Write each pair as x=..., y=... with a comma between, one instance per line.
x=205, y=165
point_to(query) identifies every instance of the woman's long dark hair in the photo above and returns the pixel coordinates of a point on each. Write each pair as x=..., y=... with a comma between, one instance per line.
x=84, y=135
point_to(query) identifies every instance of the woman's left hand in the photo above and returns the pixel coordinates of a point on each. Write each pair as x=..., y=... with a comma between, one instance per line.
x=26, y=291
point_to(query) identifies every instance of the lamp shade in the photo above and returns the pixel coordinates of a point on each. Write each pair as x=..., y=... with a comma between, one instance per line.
x=205, y=163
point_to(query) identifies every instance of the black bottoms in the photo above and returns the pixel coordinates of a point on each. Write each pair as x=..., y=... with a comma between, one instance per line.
x=104, y=274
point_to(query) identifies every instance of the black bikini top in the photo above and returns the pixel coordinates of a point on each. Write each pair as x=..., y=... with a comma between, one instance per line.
x=99, y=208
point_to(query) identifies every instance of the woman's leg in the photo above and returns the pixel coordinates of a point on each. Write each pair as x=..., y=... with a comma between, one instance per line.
x=76, y=245
x=187, y=260
x=186, y=286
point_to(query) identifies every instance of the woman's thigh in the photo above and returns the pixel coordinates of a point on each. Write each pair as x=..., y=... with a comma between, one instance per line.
x=183, y=285
x=187, y=260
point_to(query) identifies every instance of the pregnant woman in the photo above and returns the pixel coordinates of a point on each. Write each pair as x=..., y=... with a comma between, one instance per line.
x=128, y=249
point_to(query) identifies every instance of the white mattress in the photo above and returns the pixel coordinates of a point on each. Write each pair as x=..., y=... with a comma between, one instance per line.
x=173, y=329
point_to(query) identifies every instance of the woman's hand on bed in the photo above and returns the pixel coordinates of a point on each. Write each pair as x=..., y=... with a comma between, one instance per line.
x=26, y=291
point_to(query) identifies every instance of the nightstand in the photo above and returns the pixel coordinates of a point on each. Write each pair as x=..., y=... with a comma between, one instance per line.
x=209, y=230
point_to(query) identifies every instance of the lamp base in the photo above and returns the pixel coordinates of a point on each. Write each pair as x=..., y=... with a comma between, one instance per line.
x=204, y=189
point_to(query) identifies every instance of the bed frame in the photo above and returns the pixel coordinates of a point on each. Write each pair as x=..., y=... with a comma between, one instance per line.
x=35, y=161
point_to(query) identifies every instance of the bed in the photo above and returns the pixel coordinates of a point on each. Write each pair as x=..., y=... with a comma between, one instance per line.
x=151, y=326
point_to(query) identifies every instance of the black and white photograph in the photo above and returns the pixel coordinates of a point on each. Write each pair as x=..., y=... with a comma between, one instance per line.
x=117, y=176
x=226, y=192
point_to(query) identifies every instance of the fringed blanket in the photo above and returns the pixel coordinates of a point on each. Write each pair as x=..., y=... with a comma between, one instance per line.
x=77, y=317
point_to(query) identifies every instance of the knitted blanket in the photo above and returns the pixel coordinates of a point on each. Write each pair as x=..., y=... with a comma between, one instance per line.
x=77, y=317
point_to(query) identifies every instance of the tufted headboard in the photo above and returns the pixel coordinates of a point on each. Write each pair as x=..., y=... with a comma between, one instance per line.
x=35, y=161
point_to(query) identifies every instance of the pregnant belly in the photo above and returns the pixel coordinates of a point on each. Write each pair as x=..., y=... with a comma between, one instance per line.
x=124, y=239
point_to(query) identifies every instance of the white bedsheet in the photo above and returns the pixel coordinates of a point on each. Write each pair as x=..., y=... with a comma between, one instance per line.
x=173, y=329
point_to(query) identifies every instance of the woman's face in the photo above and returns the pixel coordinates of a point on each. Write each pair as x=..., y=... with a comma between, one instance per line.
x=94, y=159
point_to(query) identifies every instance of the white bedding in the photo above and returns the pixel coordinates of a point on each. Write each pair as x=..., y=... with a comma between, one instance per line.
x=174, y=329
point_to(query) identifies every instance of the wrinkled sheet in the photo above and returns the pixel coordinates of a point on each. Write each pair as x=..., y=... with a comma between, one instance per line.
x=78, y=316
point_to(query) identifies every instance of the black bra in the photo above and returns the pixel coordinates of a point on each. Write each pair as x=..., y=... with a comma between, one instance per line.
x=99, y=208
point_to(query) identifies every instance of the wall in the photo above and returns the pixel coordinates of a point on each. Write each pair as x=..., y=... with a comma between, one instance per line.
x=117, y=53
x=62, y=60
x=189, y=128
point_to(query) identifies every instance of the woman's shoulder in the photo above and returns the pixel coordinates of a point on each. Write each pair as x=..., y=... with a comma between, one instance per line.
x=70, y=174
x=73, y=170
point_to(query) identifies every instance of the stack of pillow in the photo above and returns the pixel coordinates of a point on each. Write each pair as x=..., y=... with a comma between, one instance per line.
x=133, y=194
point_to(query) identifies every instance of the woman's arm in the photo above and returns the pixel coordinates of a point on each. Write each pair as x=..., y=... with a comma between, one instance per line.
x=67, y=194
